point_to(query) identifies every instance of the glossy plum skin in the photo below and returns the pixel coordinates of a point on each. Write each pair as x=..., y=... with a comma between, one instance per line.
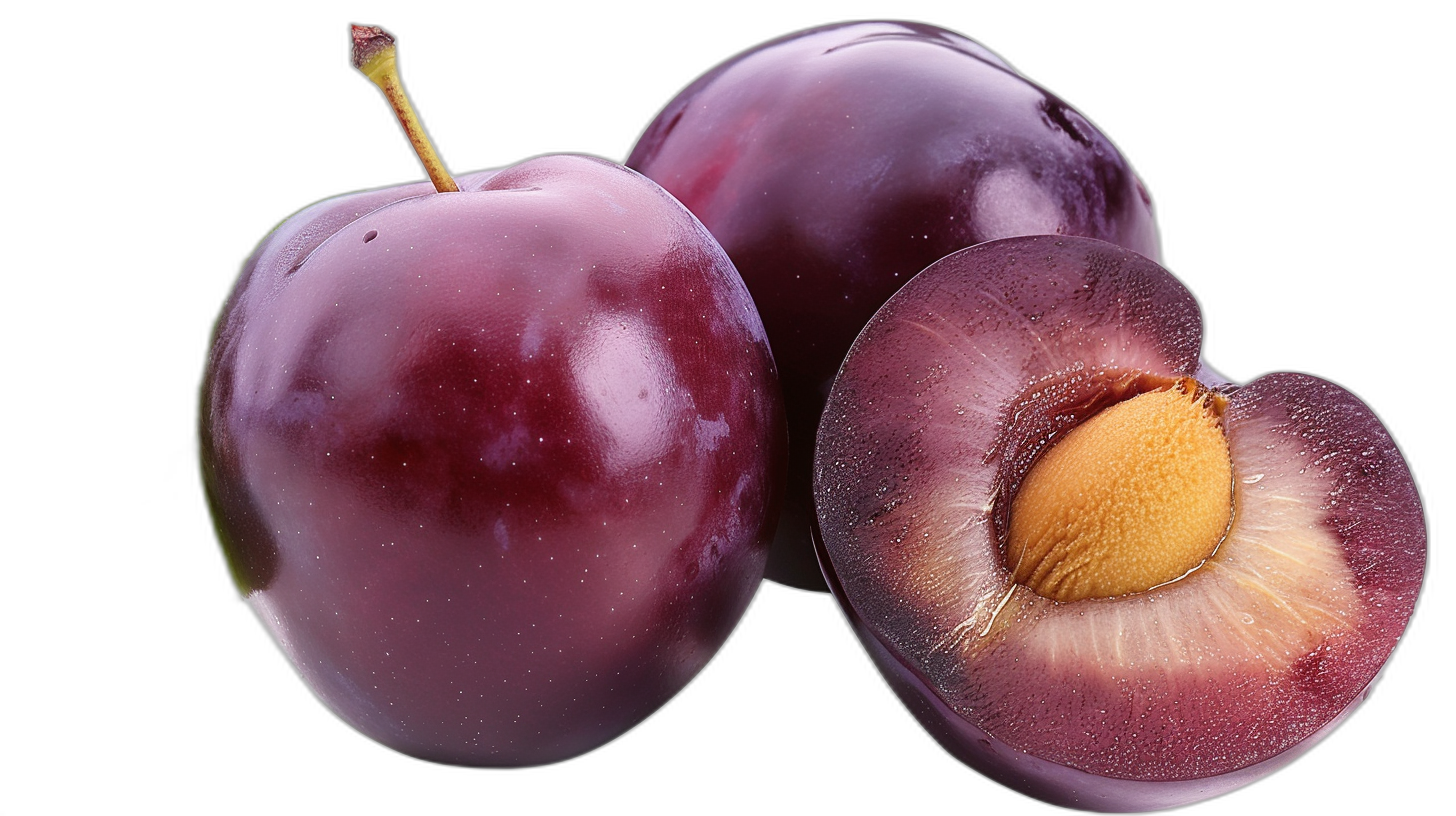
x=836, y=163
x=497, y=468
x=1145, y=701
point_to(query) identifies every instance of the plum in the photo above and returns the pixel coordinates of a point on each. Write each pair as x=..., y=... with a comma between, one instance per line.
x=1094, y=570
x=497, y=467
x=835, y=163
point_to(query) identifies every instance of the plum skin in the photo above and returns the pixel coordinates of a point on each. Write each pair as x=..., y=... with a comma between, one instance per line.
x=944, y=404
x=497, y=468
x=834, y=164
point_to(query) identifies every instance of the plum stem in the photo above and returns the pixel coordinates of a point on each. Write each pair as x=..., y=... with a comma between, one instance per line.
x=374, y=56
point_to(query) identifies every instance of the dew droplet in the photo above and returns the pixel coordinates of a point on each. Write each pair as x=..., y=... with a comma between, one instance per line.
x=1254, y=479
x=1247, y=618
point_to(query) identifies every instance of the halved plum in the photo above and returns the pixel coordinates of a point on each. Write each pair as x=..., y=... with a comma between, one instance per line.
x=956, y=436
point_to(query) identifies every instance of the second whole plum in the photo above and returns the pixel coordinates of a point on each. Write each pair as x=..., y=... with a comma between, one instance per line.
x=835, y=163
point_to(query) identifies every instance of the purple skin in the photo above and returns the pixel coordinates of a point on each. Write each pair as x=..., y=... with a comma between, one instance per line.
x=497, y=468
x=1144, y=701
x=836, y=163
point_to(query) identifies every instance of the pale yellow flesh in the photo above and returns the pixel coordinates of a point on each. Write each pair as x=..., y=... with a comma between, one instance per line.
x=1138, y=495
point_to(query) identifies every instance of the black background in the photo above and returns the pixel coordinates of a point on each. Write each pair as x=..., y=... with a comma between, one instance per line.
x=1286, y=174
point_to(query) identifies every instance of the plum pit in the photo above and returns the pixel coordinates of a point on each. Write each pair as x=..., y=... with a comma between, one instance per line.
x=1135, y=497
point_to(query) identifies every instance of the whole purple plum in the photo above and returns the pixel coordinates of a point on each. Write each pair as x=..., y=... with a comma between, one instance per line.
x=835, y=163
x=498, y=468
x=1093, y=569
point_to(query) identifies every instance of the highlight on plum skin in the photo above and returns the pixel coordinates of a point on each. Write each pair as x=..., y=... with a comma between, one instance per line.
x=1147, y=699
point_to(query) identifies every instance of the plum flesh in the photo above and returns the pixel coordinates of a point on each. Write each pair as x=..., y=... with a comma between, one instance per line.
x=835, y=163
x=1147, y=700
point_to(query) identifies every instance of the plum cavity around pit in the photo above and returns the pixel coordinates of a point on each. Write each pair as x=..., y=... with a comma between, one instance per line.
x=1266, y=643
